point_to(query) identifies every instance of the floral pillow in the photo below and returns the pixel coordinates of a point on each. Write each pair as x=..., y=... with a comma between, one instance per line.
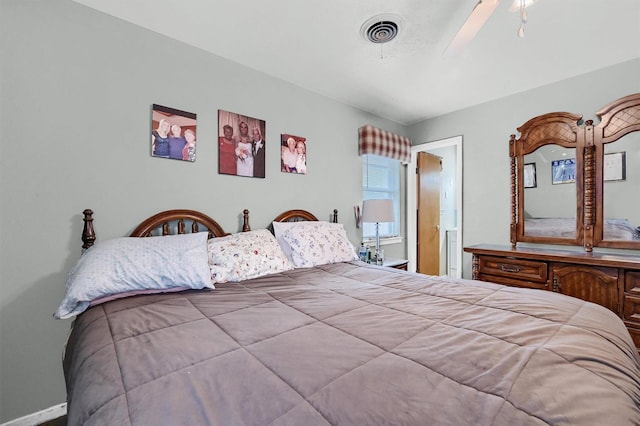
x=246, y=255
x=279, y=228
x=319, y=243
x=123, y=267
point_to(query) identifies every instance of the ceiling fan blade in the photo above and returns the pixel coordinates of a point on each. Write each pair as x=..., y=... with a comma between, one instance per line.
x=479, y=15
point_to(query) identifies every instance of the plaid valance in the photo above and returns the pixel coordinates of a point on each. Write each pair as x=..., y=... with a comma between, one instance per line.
x=380, y=142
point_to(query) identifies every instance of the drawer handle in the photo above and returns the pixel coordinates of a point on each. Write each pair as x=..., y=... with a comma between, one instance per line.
x=509, y=268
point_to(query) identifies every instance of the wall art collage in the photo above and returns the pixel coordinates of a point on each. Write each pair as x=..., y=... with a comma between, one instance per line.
x=241, y=142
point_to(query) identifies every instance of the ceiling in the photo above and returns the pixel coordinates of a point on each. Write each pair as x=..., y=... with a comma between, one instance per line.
x=317, y=45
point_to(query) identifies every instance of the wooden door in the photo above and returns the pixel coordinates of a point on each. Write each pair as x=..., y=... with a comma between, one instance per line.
x=429, y=168
x=594, y=284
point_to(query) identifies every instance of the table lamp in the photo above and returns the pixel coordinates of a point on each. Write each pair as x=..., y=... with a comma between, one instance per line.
x=377, y=211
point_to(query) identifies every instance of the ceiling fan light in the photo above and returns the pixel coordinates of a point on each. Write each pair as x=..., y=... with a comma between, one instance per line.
x=517, y=4
x=523, y=18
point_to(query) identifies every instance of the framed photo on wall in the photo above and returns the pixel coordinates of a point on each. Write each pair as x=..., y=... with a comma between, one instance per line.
x=293, y=158
x=173, y=133
x=615, y=166
x=563, y=171
x=241, y=145
x=530, y=175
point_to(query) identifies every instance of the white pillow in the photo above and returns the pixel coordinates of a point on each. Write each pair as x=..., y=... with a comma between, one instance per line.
x=246, y=255
x=318, y=244
x=123, y=266
x=279, y=228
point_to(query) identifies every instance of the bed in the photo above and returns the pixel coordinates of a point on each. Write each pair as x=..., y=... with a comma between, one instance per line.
x=339, y=342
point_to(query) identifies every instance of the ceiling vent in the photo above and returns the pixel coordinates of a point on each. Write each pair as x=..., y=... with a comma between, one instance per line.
x=381, y=28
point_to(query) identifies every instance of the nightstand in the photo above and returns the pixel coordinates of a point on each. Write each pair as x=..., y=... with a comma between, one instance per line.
x=391, y=262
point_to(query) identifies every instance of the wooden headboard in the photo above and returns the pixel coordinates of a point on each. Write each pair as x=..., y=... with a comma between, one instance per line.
x=180, y=221
x=296, y=215
x=164, y=223
x=302, y=215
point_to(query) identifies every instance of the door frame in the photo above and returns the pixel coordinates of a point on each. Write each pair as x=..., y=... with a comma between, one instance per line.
x=412, y=202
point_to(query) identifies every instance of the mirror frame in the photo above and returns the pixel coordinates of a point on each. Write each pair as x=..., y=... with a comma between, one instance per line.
x=555, y=128
x=617, y=119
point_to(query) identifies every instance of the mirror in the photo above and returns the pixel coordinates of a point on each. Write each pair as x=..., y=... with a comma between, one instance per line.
x=617, y=154
x=550, y=205
x=547, y=180
x=621, y=209
x=620, y=204
x=575, y=183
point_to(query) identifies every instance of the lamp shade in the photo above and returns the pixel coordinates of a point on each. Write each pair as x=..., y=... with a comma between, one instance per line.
x=377, y=211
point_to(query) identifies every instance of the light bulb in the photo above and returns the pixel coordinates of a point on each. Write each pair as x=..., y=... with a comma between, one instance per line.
x=523, y=18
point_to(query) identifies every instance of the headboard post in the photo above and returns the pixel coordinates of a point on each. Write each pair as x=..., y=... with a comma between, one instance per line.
x=334, y=217
x=88, y=234
x=245, y=221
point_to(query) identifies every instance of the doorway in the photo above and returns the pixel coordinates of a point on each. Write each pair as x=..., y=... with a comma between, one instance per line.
x=450, y=245
x=428, y=176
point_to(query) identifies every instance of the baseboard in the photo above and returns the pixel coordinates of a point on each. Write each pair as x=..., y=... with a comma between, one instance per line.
x=42, y=416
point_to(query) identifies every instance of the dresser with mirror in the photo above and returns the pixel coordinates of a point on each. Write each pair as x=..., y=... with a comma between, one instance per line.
x=575, y=210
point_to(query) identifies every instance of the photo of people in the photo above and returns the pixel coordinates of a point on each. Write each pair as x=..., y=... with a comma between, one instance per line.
x=294, y=154
x=241, y=145
x=173, y=134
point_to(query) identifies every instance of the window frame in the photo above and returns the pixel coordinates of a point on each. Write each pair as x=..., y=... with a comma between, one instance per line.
x=388, y=186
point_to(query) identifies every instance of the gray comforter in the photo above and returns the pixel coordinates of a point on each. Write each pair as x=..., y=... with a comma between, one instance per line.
x=352, y=344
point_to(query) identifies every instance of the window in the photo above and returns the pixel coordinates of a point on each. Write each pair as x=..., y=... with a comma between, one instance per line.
x=381, y=179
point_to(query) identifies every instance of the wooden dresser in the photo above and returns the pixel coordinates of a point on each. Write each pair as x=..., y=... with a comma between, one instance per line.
x=610, y=280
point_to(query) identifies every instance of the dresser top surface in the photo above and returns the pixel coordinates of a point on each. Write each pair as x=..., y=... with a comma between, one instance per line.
x=558, y=255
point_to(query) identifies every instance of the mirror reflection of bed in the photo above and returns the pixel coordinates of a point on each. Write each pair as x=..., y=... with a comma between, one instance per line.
x=614, y=229
x=550, y=208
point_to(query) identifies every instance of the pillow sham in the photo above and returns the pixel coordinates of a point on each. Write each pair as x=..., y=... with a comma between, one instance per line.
x=124, y=266
x=318, y=244
x=246, y=255
x=279, y=228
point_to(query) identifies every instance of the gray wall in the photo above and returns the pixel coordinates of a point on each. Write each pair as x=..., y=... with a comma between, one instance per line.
x=486, y=129
x=76, y=89
x=76, y=92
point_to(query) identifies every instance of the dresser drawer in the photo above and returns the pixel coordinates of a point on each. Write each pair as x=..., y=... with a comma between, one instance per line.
x=635, y=334
x=632, y=282
x=631, y=309
x=516, y=283
x=513, y=269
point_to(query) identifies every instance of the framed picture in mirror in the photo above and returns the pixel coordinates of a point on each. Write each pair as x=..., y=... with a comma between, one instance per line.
x=530, y=175
x=615, y=166
x=563, y=171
